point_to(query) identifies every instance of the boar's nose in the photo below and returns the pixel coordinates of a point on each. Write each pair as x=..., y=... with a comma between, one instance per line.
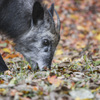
x=45, y=68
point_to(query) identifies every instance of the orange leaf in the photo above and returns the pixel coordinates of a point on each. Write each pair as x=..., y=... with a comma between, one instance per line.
x=1, y=81
x=35, y=88
x=12, y=56
x=29, y=67
x=55, y=81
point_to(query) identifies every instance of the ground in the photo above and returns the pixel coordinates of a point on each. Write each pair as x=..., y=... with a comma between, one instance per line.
x=75, y=73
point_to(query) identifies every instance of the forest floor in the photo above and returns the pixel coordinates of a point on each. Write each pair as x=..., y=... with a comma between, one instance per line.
x=75, y=73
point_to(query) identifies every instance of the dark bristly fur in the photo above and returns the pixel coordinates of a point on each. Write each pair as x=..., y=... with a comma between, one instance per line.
x=14, y=21
x=30, y=25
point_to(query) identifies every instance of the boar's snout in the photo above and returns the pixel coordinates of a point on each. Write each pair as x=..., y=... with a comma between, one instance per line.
x=44, y=67
x=45, y=64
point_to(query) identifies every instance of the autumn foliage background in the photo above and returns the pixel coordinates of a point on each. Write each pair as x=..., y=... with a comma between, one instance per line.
x=77, y=59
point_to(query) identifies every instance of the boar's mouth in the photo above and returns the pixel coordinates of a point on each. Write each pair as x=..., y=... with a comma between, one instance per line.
x=44, y=67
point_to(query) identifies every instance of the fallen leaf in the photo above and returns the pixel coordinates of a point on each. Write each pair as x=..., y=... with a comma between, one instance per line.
x=59, y=52
x=98, y=37
x=11, y=56
x=35, y=88
x=13, y=81
x=29, y=67
x=81, y=28
x=55, y=81
x=1, y=81
x=98, y=20
x=7, y=50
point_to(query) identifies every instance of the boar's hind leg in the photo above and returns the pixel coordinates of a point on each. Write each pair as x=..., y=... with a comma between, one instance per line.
x=3, y=66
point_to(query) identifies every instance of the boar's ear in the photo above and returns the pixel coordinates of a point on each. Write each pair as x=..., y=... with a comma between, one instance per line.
x=51, y=9
x=38, y=12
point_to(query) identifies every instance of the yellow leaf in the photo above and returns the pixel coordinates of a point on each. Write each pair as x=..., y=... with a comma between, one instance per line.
x=98, y=37
x=77, y=98
x=94, y=31
x=95, y=90
x=74, y=17
x=81, y=99
x=59, y=52
x=2, y=90
x=81, y=28
x=7, y=50
x=80, y=45
x=98, y=20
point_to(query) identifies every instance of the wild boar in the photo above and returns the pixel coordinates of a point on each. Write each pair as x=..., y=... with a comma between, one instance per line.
x=31, y=26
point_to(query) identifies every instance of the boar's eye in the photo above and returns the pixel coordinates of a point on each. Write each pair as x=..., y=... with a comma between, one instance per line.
x=46, y=42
